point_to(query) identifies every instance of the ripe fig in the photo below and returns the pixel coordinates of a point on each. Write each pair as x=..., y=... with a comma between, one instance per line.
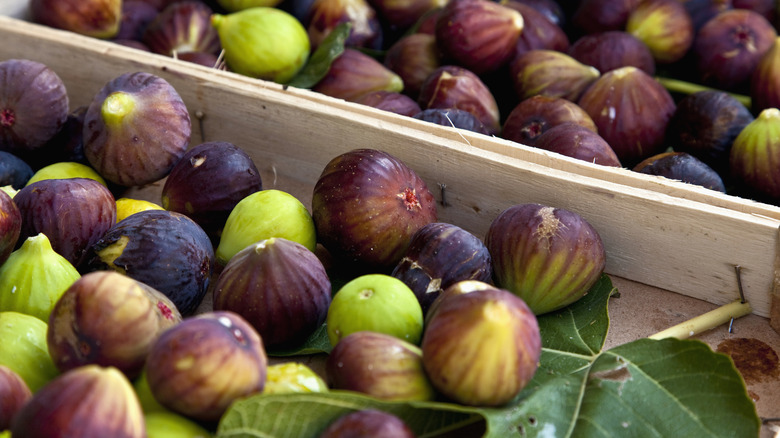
x=66, y=170
x=550, y=73
x=94, y=18
x=439, y=255
x=550, y=9
x=33, y=105
x=89, y=401
x=461, y=287
x=184, y=26
x=702, y=10
x=167, y=424
x=163, y=249
x=592, y=16
x=14, y=171
x=208, y=182
x=198, y=367
x=368, y=423
x=498, y=338
x=451, y=86
x=682, y=166
x=764, y=88
x=752, y=155
x=73, y=213
x=66, y=146
x=14, y=393
x=539, y=31
x=766, y=8
x=367, y=204
x=535, y=115
x=402, y=15
x=353, y=74
x=391, y=101
x=108, y=319
x=240, y=5
x=280, y=287
x=135, y=129
x=127, y=206
x=479, y=35
x=24, y=349
x=453, y=117
x=292, y=377
x=612, y=49
x=10, y=226
x=634, y=124
x=578, y=142
x=664, y=26
x=550, y=257
x=134, y=18
x=325, y=15
x=413, y=57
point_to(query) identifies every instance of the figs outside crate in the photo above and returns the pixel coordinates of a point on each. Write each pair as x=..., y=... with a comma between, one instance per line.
x=292, y=377
x=592, y=16
x=94, y=18
x=684, y=167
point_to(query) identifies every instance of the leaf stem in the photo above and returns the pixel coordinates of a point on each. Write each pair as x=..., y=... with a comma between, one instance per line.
x=706, y=321
x=678, y=86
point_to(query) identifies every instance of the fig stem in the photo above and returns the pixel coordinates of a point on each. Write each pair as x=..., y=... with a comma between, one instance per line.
x=706, y=321
x=678, y=86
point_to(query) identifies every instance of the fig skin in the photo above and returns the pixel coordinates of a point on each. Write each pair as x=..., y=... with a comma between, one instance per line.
x=391, y=101
x=10, y=226
x=402, y=15
x=293, y=377
x=94, y=18
x=73, y=213
x=764, y=88
x=751, y=157
x=108, y=319
x=367, y=423
x=367, y=204
x=453, y=117
x=592, y=16
x=551, y=73
x=66, y=146
x=533, y=116
x=413, y=58
x=684, y=167
x=354, y=74
x=24, y=349
x=33, y=105
x=664, y=26
x=498, y=338
x=324, y=15
x=14, y=171
x=163, y=249
x=14, y=393
x=459, y=288
x=578, y=142
x=701, y=11
x=539, y=31
x=136, y=129
x=550, y=257
x=280, y=287
x=136, y=16
x=89, y=401
x=184, y=26
x=439, y=255
x=611, y=50
x=228, y=362
x=379, y=365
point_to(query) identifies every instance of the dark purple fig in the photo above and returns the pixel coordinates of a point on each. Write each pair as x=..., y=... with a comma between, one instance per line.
x=550, y=257
x=578, y=142
x=184, y=26
x=550, y=9
x=324, y=15
x=208, y=181
x=439, y=255
x=766, y=8
x=752, y=158
x=705, y=124
x=684, y=167
x=108, y=319
x=538, y=31
x=136, y=16
x=403, y=14
x=728, y=47
x=10, y=225
x=94, y=18
x=136, y=129
x=367, y=423
x=612, y=49
x=160, y=5
x=497, y=339
x=14, y=393
x=453, y=117
x=413, y=57
x=765, y=80
x=633, y=123
x=427, y=23
x=593, y=16
x=73, y=213
x=391, y=101
x=550, y=73
x=66, y=146
x=451, y=86
x=536, y=114
x=479, y=35
x=367, y=204
x=280, y=287
x=163, y=249
x=33, y=105
x=354, y=74
x=203, y=364
x=14, y=171
x=664, y=26
x=89, y=401
x=702, y=10
x=379, y=365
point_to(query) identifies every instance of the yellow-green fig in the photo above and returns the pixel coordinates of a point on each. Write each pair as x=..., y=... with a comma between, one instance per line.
x=166, y=424
x=292, y=377
x=24, y=349
x=240, y=5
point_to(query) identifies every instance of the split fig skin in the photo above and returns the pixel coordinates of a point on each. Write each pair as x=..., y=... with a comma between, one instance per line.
x=533, y=116
x=611, y=50
x=684, y=167
x=578, y=142
x=14, y=393
x=368, y=422
x=94, y=18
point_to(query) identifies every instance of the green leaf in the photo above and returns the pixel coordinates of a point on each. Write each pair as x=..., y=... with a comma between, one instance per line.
x=318, y=65
x=317, y=343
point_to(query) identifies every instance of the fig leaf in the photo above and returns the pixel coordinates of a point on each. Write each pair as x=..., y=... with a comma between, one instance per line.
x=319, y=63
x=317, y=343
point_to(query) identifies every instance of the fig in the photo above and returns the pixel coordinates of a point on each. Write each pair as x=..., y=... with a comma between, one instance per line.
x=664, y=26
x=578, y=142
x=198, y=367
x=533, y=116
x=240, y=5
x=550, y=257
x=752, y=156
x=413, y=58
x=33, y=105
x=550, y=73
x=34, y=277
x=702, y=10
x=550, y=9
x=166, y=424
x=377, y=303
x=367, y=423
x=611, y=50
x=766, y=8
x=439, y=255
x=592, y=16
x=452, y=86
x=14, y=393
x=262, y=215
x=461, y=287
x=65, y=170
x=634, y=124
x=391, y=101
x=684, y=167
x=163, y=249
x=72, y=402
x=127, y=206
x=499, y=345
x=539, y=31
x=263, y=42
x=73, y=213
x=24, y=349
x=367, y=204
x=134, y=18
x=108, y=319
x=208, y=182
x=184, y=26
x=379, y=365
x=764, y=89
x=292, y=377
x=136, y=128
x=94, y=18
x=66, y=146
x=280, y=287
x=145, y=396
x=10, y=226
x=325, y=15
x=453, y=117
x=479, y=35
x=402, y=15
x=353, y=74
x=728, y=47
x=14, y=171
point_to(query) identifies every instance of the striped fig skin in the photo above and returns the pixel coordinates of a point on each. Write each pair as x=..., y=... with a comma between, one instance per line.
x=481, y=348
x=280, y=287
x=366, y=206
x=549, y=257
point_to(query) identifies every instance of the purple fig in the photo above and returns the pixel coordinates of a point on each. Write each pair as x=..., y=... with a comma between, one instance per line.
x=403, y=14
x=684, y=167
x=10, y=225
x=391, y=101
x=702, y=10
x=551, y=9
x=612, y=49
x=14, y=393
x=453, y=117
x=14, y=171
x=766, y=8
x=367, y=423
x=324, y=15
x=539, y=32
x=578, y=142
x=94, y=18
x=536, y=114
x=413, y=57
x=136, y=16
x=550, y=73
x=184, y=26
x=592, y=16
x=354, y=74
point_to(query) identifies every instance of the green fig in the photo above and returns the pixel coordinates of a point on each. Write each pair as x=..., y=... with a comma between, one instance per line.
x=753, y=154
x=24, y=349
x=292, y=377
x=166, y=424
